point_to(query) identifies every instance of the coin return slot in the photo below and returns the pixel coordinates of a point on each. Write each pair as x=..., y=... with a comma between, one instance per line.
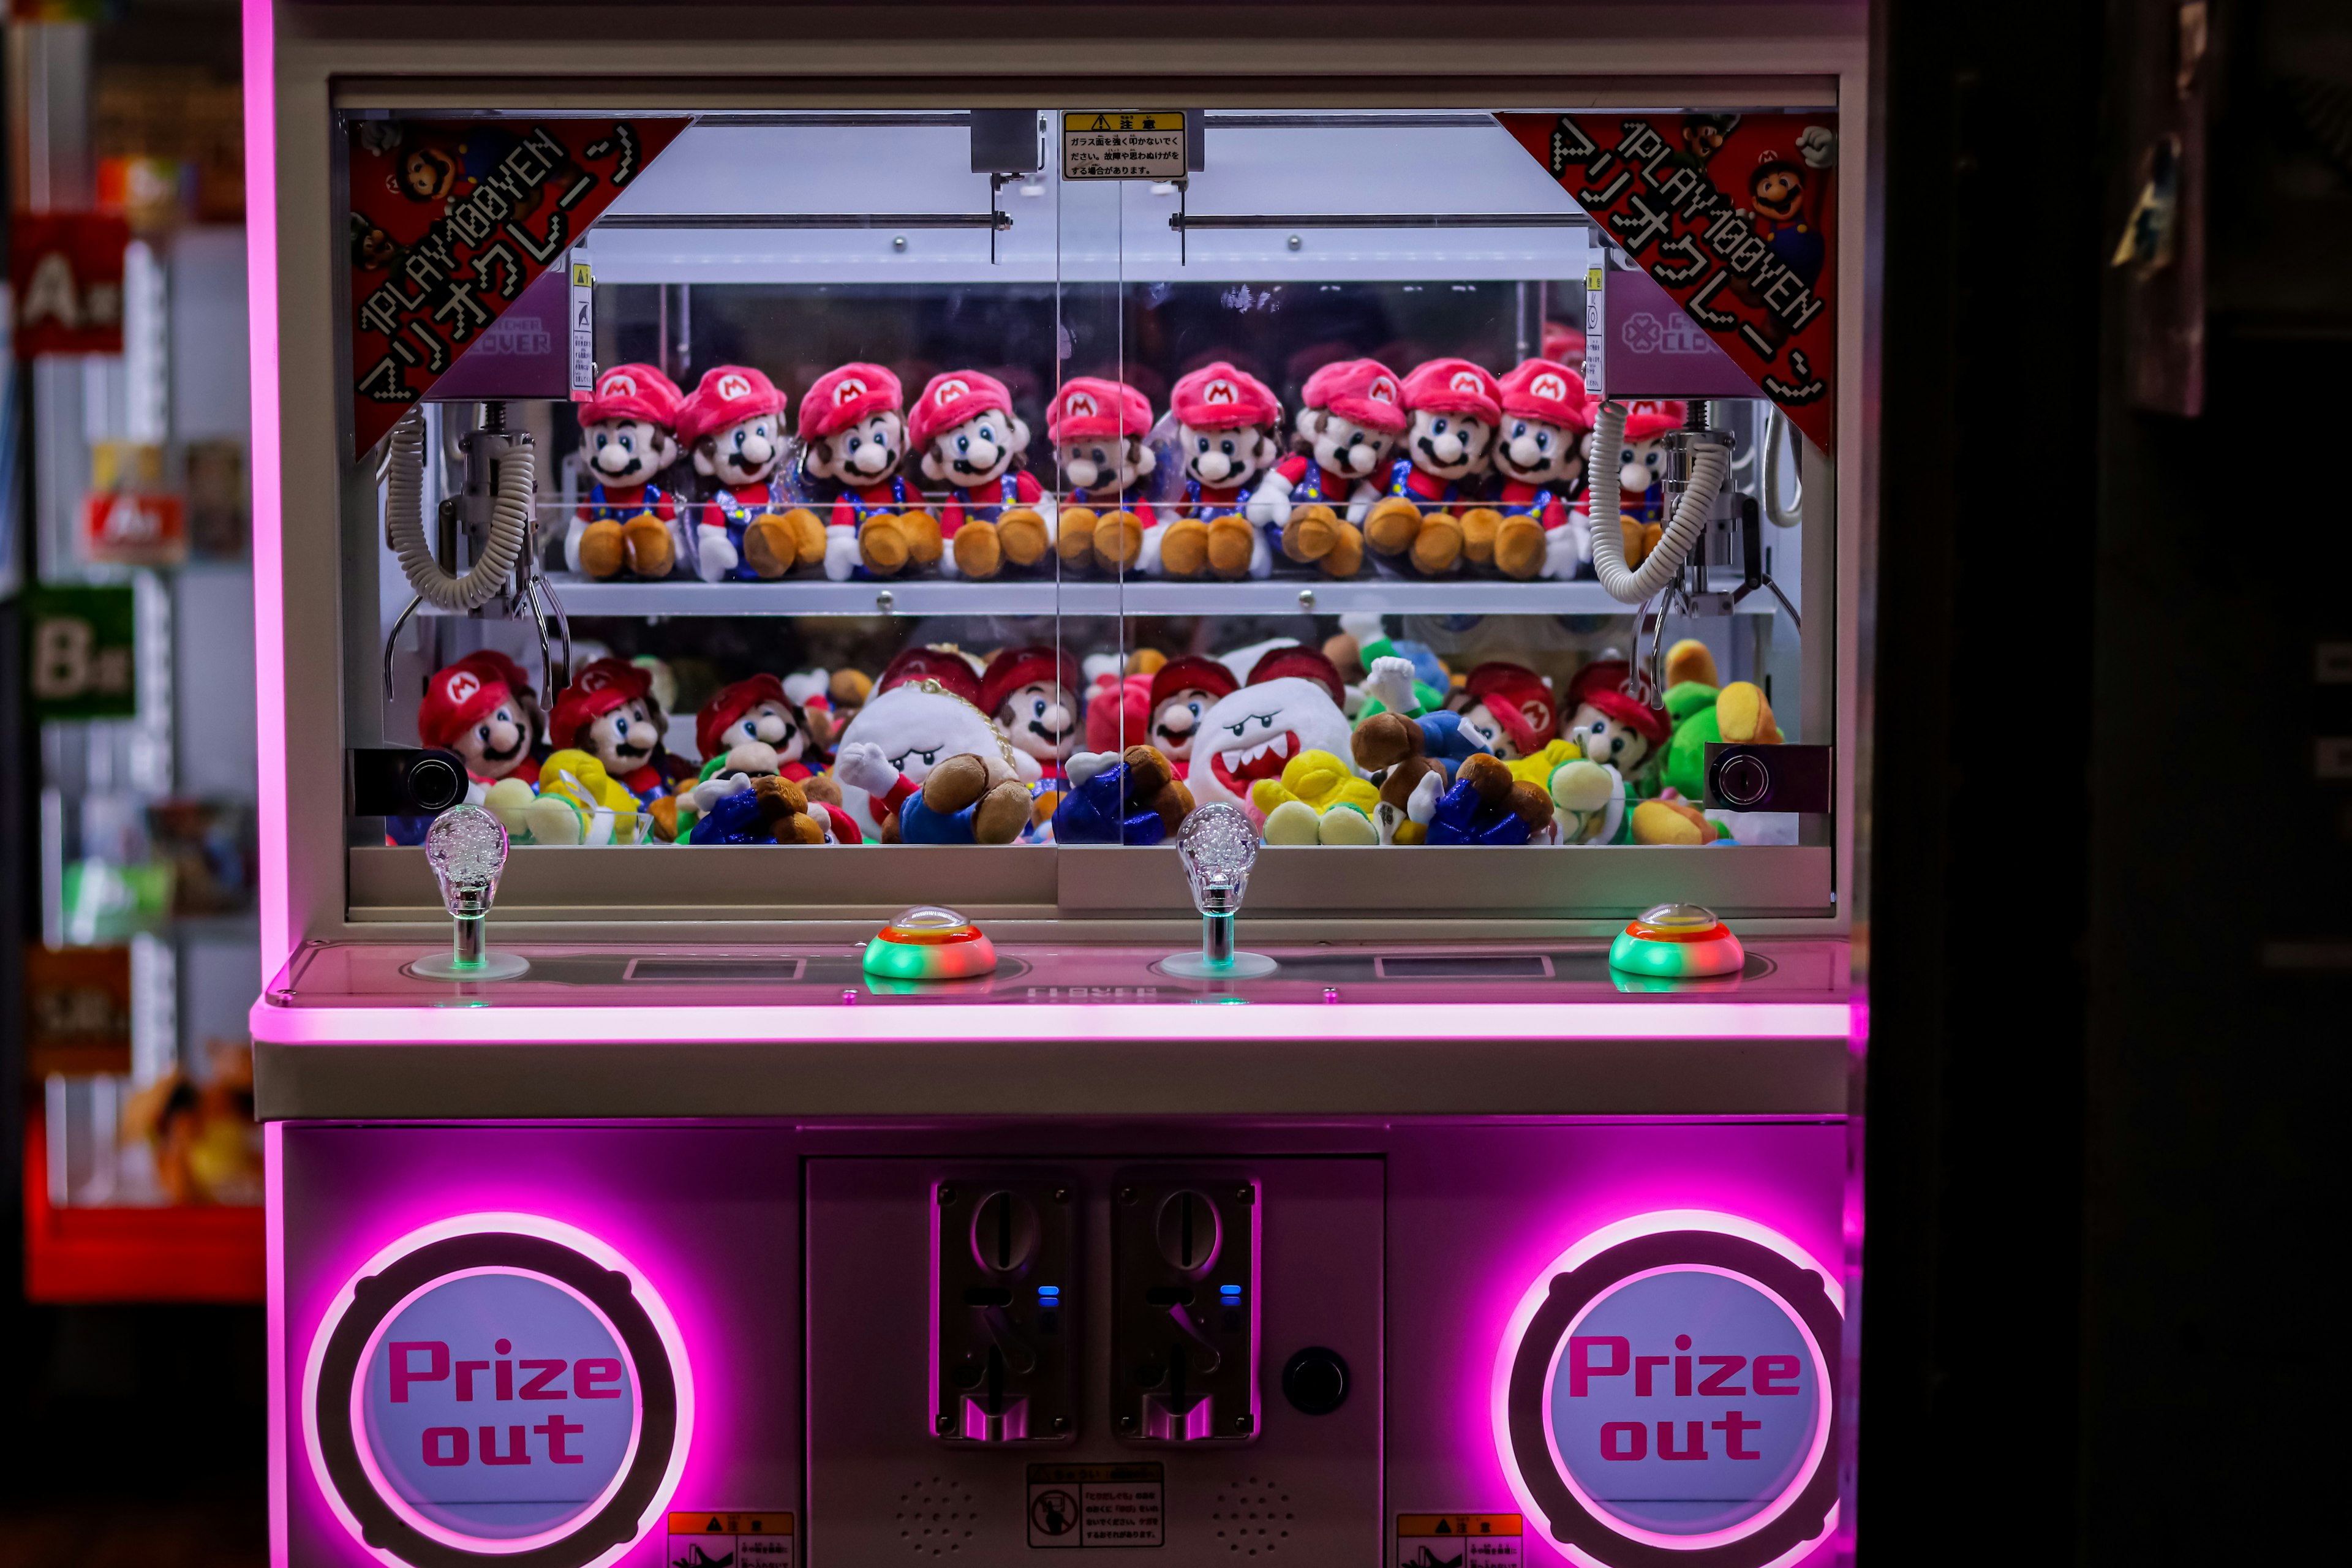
x=1463, y=967
x=706, y=969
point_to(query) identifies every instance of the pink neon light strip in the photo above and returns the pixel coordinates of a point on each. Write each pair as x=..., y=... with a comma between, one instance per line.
x=268, y=551
x=461, y=1025
x=273, y=1182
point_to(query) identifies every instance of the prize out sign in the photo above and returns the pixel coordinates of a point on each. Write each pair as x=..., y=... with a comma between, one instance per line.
x=515, y=1388
x=1670, y=1395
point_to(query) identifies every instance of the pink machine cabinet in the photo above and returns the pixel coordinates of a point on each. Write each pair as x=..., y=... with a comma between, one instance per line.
x=653, y=1219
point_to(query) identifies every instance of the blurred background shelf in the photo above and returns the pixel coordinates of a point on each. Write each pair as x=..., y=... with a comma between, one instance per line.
x=1042, y=596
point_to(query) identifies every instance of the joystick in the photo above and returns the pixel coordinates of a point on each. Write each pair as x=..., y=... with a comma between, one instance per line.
x=1218, y=846
x=466, y=848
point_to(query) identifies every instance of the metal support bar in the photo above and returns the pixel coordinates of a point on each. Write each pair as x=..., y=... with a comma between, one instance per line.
x=996, y=220
x=1180, y=221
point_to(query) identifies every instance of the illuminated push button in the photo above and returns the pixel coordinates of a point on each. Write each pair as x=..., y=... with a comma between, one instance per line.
x=928, y=942
x=1677, y=941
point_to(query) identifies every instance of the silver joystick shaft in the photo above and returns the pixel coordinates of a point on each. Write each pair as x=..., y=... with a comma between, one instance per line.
x=466, y=848
x=1218, y=847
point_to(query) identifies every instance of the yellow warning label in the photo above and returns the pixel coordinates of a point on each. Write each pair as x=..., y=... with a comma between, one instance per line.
x=773, y=1522
x=1459, y=1524
x=1123, y=145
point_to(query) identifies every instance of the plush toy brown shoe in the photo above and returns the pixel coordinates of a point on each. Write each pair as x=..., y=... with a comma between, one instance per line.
x=1438, y=546
x=1020, y=534
x=1312, y=532
x=979, y=551
x=1232, y=540
x=603, y=550
x=647, y=544
x=1184, y=548
x=1393, y=525
x=1518, y=548
x=1118, y=541
x=1074, y=536
x=882, y=545
x=770, y=546
x=1479, y=526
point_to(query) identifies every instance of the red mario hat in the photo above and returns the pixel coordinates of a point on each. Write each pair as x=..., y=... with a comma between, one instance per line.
x=1454, y=387
x=845, y=394
x=491, y=664
x=1116, y=710
x=1647, y=418
x=1363, y=391
x=1219, y=397
x=634, y=392
x=844, y=830
x=727, y=394
x=1508, y=691
x=1546, y=390
x=730, y=704
x=951, y=397
x=1090, y=407
x=1191, y=672
x=581, y=704
x=950, y=669
x=635, y=679
x=1014, y=667
x=1601, y=674
x=456, y=700
x=1635, y=715
x=1301, y=663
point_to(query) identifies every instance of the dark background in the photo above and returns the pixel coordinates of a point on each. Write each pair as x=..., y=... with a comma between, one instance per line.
x=2095, y=1326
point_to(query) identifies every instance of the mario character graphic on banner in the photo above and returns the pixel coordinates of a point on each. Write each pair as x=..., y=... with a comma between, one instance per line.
x=1735, y=215
x=451, y=221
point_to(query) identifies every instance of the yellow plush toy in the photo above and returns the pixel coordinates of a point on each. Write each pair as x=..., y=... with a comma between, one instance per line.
x=573, y=791
x=1671, y=821
x=1318, y=800
x=1538, y=768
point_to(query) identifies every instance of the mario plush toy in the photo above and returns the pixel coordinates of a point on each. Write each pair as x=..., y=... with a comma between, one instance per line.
x=971, y=444
x=754, y=727
x=628, y=436
x=1613, y=726
x=1539, y=456
x=1641, y=465
x=473, y=712
x=1510, y=706
x=491, y=664
x=853, y=447
x=1227, y=425
x=1097, y=429
x=1452, y=408
x=1183, y=690
x=1315, y=499
x=734, y=425
x=1032, y=695
x=607, y=712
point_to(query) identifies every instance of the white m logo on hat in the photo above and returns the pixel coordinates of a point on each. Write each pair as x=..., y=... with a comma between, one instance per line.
x=461, y=688
x=850, y=390
x=619, y=384
x=1382, y=390
x=1466, y=381
x=1221, y=391
x=1080, y=406
x=1550, y=386
x=734, y=386
x=954, y=390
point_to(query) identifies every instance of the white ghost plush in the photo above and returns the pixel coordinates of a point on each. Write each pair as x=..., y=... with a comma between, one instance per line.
x=914, y=730
x=1252, y=733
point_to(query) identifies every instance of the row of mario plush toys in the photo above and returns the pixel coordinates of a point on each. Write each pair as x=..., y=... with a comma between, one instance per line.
x=1023, y=747
x=1446, y=469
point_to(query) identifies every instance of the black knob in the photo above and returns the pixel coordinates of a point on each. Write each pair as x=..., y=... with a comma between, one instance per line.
x=1315, y=1381
x=437, y=781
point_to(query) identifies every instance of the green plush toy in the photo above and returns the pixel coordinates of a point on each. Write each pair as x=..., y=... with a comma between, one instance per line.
x=1701, y=714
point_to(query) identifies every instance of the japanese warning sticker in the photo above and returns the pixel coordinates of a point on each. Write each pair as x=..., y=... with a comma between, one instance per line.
x=1123, y=145
x=1460, y=1540
x=1097, y=1505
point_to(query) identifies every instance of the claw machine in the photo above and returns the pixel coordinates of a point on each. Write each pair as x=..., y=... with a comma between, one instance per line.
x=1033, y=784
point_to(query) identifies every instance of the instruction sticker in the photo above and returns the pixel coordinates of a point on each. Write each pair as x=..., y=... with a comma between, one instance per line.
x=1097, y=1505
x=1123, y=145
x=584, y=327
x=1460, y=1540
x=730, y=1541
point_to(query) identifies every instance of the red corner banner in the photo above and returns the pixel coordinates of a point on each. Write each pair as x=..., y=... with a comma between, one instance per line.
x=1735, y=215
x=451, y=221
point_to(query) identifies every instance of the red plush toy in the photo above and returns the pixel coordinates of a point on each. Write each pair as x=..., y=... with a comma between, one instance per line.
x=1511, y=706
x=854, y=445
x=1641, y=467
x=734, y=425
x=757, y=729
x=628, y=436
x=1182, y=690
x=1539, y=456
x=607, y=711
x=1316, y=499
x=1226, y=424
x=491, y=664
x=1452, y=408
x=1032, y=695
x=1098, y=427
x=971, y=444
x=477, y=715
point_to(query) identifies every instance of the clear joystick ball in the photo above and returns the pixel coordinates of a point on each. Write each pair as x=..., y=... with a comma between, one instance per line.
x=1218, y=847
x=466, y=848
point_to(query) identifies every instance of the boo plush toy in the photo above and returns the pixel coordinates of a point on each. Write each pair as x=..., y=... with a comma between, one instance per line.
x=970, y=442
x=1097, y=428
x=607, y=712
x=920, y=765
x=475, y=714
x=1226, y=421
x=1540, y=456
x=1452, y=408
x=854, y=448
x=1291, y=705
x=734, y=425
x=1315, y=499
x=628, y=436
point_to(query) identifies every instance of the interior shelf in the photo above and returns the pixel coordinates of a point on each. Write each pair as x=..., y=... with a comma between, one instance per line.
x=1091, y=597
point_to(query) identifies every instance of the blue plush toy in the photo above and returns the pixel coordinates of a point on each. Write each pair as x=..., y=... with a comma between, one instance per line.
x=1120, y=799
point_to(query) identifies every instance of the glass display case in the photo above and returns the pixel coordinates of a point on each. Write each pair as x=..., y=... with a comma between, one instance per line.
x=1273, y=459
